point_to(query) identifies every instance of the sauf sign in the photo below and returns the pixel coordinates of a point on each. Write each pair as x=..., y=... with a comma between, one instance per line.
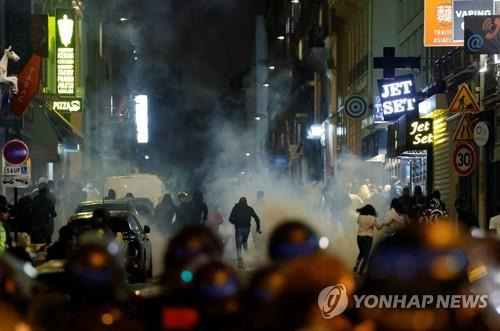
x=397, y=96
x=420, y=134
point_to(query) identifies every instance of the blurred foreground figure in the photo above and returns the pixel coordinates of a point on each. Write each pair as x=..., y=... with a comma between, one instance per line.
x=240, y=217
x=293, y=289
x=176, y=308
x=16, y=288
x=99, y=297
x=410, y=273
x=217, y=289
x=291, y=239
x=63, y=247
x=191, y=243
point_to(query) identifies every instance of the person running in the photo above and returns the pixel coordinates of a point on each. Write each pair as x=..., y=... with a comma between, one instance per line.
x=367, y=223
x=240, y=217
x=396, y=217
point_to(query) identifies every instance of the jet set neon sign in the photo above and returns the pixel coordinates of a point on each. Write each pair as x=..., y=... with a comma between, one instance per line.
x=397, y=96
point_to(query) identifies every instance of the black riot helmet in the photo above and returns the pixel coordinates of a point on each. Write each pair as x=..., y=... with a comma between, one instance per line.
x=291, y=239
x=96, y=272
x=191, y=243
x=218, y=289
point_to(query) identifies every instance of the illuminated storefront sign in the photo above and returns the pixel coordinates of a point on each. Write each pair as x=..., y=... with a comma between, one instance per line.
x=438, y=24
x=420, y=134
x=67, y=106
x=463, y=8
x=397, y=96
x=65, y=54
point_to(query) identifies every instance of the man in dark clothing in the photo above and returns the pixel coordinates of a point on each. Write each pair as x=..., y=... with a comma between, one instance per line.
x=241, y=216
x=44, y=213
x=182, y=212
x=198, y=209
x=405, y=200
x=466, y=216
x=24, y=215
x=61, y=249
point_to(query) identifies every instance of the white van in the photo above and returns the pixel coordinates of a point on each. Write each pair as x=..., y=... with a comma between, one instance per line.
x=140, y=185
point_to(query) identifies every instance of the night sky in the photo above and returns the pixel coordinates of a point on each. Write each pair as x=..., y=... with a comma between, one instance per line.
x=208, y=41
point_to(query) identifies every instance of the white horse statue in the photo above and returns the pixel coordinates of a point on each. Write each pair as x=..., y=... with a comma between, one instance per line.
x=8, y=53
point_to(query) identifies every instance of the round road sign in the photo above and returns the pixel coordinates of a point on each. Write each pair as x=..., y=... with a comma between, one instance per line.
x=15, y=152
x=355, y=106
x=464, y=159
x=481, y=134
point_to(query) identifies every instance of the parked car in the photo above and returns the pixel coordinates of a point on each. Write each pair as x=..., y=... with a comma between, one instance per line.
x=144, y=207
x=109, y=205
x=136, y=244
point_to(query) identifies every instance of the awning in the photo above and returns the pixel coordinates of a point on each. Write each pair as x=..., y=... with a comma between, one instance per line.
x=66, y=133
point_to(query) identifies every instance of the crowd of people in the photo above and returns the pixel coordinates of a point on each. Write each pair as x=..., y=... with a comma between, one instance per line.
x=199, y=290
x=171, y=218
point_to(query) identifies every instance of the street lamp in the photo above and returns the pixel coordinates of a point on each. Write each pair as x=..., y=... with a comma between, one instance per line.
x=295, y=1
x=258, y=116
x=271, y=67
x=281, y=37
x=248, y=154
x=265, y=84
x=316, y=132
x=123, y=19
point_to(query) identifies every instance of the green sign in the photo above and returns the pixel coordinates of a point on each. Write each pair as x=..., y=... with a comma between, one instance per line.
x=65, y=51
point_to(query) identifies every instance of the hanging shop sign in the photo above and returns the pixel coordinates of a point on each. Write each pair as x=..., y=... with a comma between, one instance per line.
x=65, y=53
x=464, y=159
x=464, y=101
x=67, y=105
x=420, y=134
x=355, y=106
x=438, y=24
x=464, y=131
x=482, y=34
x=481, y=134
x=466, y=8
x=398, y=96
x=28, y=82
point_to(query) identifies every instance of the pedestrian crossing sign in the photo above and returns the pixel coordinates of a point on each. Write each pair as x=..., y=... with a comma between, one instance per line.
x=464, y=101
x=464, y=131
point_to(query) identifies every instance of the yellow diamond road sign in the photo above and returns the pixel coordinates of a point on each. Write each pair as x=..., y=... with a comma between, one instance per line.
x=465, y=130
x=464, y=101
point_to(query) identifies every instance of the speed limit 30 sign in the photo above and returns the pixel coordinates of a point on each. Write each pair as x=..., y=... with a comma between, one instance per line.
x=464, y=159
